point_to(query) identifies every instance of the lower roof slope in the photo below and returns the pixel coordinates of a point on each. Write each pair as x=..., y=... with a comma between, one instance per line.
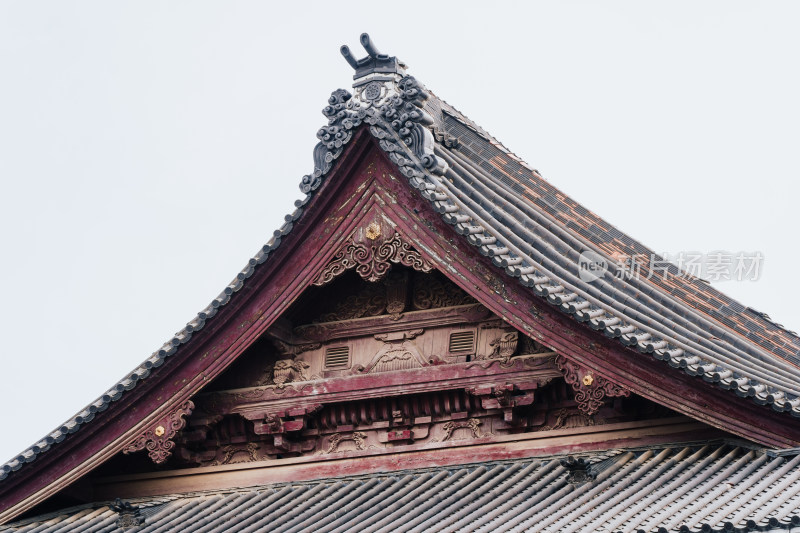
x=708, y=488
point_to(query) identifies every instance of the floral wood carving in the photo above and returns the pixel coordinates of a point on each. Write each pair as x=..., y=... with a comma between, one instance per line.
x=372, y=258
x=590, y=390
x=158, y=439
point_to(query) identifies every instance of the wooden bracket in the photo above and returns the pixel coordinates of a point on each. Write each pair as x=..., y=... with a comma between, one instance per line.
x=158, y=439
x=590, y=389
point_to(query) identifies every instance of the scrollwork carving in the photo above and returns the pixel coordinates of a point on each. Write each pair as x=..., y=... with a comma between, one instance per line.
x=473, y=424
x=237, y=454
x=431, y=292
x=357, y=437
x=590, y=390
x=158, y=439
x=344, y=115
x=373, y=259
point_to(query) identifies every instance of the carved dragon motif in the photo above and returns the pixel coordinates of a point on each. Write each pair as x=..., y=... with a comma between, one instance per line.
x=503, y=347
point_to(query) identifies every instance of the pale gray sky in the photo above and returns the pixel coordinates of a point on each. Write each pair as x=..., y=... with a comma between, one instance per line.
x=148, y=149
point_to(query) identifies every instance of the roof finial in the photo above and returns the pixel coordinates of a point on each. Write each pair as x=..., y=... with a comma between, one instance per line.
x=369, y=46
x=374, y=63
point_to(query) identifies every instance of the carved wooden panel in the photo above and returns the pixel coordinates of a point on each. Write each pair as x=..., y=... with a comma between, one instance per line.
x=399, y=291
x=372, y=424
x=372, y=251
x=590, y=389
x=158, y=440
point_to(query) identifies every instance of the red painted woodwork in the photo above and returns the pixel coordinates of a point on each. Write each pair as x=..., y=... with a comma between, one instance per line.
x=365, y=186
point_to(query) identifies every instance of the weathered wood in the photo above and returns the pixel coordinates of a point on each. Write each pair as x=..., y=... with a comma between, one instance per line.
x=363, y=188
x=678, y=430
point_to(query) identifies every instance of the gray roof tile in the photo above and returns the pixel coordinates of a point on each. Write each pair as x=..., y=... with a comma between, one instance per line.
x=708, y=488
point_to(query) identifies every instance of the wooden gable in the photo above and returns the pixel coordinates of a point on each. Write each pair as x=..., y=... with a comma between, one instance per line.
x=372, y=335
x=365, y=336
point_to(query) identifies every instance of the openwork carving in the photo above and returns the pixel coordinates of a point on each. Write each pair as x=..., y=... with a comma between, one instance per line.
x=357, y=437
x=370, y=300
x=431, y=292
x=238, y=454
x=590, y=390
x=473, y=424
x=372, y=259
x=158, y=439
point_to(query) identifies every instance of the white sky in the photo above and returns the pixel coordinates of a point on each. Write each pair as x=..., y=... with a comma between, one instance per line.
x=148, y=149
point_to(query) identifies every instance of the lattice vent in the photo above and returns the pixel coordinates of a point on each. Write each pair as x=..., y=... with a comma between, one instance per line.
x=337, y=357
x=462, y=341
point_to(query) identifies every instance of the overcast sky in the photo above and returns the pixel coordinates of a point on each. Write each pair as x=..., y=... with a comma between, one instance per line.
x=148, y=149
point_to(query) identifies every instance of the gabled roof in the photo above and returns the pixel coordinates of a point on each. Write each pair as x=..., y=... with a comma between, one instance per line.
x=652, y=490
x=533, y=233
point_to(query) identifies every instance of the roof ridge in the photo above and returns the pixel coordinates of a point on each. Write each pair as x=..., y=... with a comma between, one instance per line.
x=419, y=163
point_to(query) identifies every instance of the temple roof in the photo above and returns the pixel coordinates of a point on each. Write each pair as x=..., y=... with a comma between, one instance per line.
x=695, y=488
x=531, y=231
